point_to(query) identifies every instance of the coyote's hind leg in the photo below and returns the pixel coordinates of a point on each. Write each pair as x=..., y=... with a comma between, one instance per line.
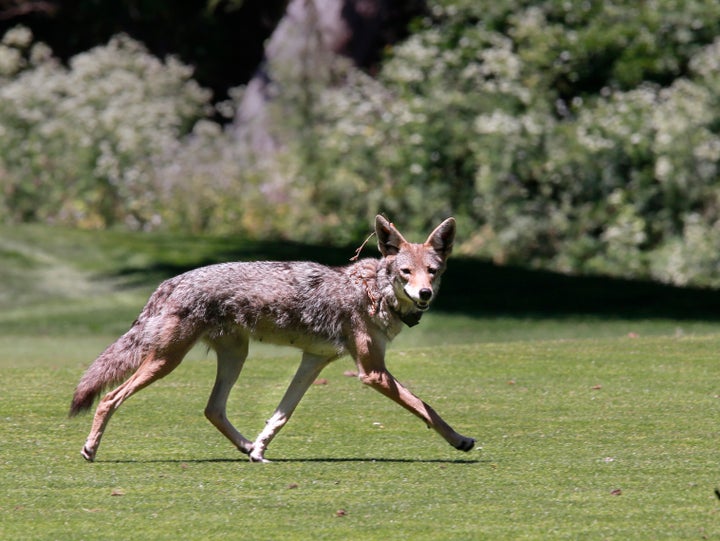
x=231, y=355
x=153, y=368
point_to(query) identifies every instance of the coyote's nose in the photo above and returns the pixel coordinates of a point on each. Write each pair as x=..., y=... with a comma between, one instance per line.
x=425, y=294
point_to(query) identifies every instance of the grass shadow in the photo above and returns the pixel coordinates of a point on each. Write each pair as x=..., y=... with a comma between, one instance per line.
x=480, y=288
x=161, y=269
x=328, y=460
x=382, y=460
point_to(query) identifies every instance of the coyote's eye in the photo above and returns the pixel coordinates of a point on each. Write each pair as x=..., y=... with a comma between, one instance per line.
x=432, y=271
x=405, y=271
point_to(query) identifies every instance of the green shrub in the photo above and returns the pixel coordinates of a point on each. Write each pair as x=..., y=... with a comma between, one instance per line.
x=581, y=137
x=575, y=136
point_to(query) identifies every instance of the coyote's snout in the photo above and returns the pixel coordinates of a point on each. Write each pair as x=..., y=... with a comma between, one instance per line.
x=327, y=312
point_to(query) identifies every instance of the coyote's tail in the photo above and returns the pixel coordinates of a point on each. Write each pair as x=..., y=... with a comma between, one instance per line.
x=111, y=367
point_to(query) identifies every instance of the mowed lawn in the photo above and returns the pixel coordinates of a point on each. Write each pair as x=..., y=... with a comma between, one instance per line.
x=578, y=439
x=588, y=426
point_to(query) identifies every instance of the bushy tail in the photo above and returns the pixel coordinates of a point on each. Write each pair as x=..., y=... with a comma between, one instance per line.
x=112, y=367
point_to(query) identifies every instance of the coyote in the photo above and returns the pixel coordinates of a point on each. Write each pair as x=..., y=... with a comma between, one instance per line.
x=327, y=312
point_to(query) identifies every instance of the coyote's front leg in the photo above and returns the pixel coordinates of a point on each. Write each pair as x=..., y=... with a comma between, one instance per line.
x=309, y=369
x=372, y=372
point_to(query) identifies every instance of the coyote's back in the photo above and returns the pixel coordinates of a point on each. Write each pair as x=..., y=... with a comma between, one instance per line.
x=325, y=311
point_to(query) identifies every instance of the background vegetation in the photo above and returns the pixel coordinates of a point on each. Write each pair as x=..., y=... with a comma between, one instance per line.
x=581, y=137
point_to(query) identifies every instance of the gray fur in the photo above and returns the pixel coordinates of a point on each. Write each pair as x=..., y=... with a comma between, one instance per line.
x=325, y=311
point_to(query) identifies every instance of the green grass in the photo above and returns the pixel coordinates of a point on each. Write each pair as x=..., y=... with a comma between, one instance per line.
x=562, y=425
x=591, y=424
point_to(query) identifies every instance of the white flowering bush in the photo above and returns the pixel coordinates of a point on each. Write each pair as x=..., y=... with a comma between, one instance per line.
x=78, y=142
x=195, y=186
x=575, y=136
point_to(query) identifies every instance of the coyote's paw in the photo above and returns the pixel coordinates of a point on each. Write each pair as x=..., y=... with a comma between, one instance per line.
x=259, y=459
x=87, y=454
x=465, y=444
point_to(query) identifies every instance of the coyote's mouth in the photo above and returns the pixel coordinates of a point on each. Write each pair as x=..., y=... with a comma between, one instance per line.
x=420, y=302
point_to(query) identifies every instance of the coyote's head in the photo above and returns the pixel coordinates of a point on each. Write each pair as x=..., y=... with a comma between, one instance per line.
x=415, y=268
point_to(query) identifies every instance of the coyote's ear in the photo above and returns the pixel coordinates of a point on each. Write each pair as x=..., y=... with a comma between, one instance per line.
x=441, y=239
x=389, y=238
